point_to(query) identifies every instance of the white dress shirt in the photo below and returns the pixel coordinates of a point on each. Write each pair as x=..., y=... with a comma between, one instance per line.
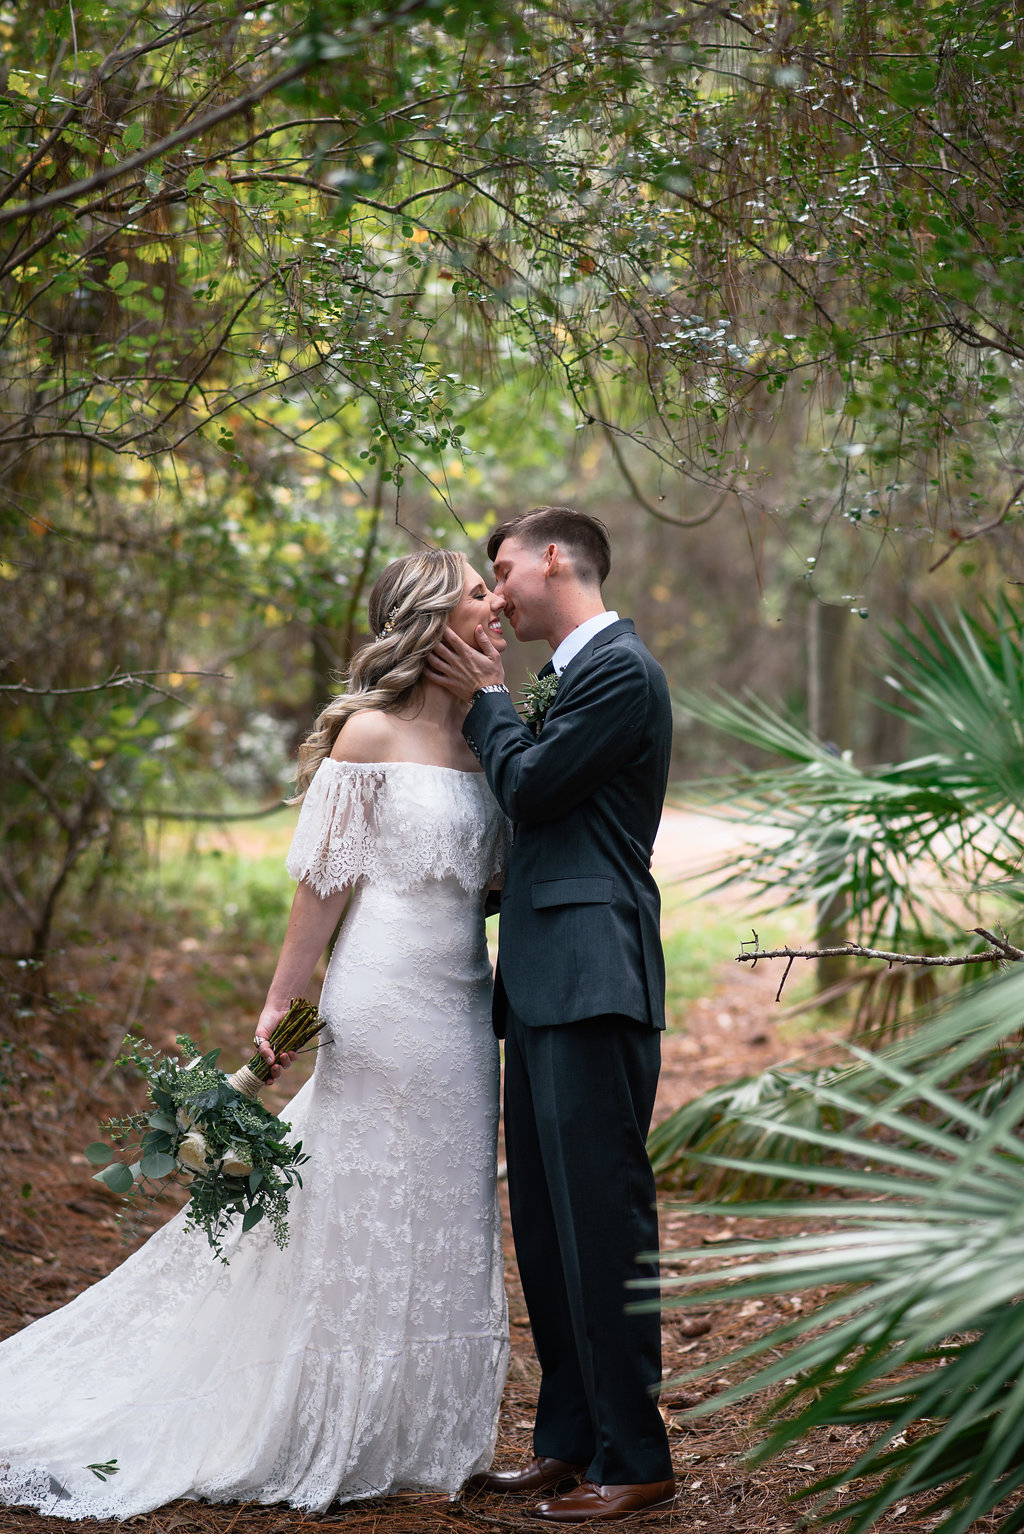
x=573, y=643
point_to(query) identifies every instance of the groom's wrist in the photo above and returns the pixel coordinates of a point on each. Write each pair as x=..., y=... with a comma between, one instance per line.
x=491, y=687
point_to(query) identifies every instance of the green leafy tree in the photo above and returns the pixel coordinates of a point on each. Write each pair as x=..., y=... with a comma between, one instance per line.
x=250, y=250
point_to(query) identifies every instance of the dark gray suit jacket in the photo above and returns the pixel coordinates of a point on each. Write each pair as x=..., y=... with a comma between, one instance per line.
x=579, y=932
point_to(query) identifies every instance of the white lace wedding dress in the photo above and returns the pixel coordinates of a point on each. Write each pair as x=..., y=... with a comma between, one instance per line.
x=368, y=1356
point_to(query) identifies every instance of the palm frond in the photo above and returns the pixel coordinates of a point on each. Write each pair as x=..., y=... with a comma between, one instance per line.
x=736, y=1120
x=856, y=836
x=962, y=685
x=827, y=829
x=924, y=1336
x=709, y=1144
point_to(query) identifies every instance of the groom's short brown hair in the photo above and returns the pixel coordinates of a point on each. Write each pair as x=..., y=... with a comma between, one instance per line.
x=585, y=537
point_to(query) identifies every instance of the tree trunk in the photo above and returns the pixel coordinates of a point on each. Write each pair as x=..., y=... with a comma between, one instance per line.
x=333, y=648
x=325, y=665
x=830, y=647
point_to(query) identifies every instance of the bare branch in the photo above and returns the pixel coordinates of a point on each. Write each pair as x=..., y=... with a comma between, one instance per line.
x=979, y=532
x=1002, y=952
x=611, y=437
x=1007, y=949
x=143, y=812
x=116, y=679
x=17, y=899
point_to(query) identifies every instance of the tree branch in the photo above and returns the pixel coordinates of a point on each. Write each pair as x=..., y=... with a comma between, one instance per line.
x=611, y=437
x=66, y=194
x=1000, y=953
x=144, y=813
x=979, y=532
x=116, y=679
x=195, y=129
x=116, y=60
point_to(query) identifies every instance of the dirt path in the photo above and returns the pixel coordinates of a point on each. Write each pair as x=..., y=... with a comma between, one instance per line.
x=57, y=1234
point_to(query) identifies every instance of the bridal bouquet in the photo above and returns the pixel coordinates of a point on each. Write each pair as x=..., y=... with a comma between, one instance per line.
x=210, y=1130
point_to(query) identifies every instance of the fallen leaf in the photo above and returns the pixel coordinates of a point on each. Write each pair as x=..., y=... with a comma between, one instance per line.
x=695, y=1328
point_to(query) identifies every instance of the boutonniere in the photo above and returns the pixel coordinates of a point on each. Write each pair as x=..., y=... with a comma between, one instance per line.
x=537, y=697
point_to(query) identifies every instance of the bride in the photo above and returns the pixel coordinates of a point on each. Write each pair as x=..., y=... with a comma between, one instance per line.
x=368, y=1356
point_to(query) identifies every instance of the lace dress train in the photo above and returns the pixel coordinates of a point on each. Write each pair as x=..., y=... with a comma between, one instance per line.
x=368, y=1356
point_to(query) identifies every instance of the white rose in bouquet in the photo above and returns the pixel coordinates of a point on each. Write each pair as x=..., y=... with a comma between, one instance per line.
x=193, y=1152
x=235, y=1163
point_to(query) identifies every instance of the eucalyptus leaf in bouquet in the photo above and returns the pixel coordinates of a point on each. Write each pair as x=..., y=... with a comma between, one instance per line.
x=210, y=1131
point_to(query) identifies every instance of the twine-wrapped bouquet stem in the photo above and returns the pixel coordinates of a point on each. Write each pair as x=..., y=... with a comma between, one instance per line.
x=300, y=1023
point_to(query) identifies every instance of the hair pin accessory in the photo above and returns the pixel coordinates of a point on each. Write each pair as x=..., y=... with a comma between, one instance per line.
x=390, y=624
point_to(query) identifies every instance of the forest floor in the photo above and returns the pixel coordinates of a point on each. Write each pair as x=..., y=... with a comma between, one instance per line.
x=58, y=1232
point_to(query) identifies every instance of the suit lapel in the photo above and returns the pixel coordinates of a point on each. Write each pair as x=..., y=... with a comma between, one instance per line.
x=602, y=637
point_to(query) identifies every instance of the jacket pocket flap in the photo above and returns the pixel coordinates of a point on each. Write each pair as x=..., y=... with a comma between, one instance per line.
x=594, y=890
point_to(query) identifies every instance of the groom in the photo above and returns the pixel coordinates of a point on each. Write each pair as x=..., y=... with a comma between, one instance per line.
x=579, y=997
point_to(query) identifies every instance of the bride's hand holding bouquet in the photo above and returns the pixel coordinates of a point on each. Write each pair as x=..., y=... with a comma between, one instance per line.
x=276, y=1060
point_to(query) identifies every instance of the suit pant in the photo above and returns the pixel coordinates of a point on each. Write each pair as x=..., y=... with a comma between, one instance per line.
x=578, y=1104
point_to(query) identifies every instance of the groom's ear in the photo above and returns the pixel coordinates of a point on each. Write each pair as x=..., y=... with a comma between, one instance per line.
x=553, y=561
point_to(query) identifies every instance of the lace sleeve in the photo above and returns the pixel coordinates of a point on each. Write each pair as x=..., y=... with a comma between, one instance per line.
x=335, y=838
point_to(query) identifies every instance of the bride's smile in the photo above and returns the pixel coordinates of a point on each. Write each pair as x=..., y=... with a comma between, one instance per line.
x=478, y=606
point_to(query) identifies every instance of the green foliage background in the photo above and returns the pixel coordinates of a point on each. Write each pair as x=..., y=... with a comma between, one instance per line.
x=282, y=290
x=285, y=291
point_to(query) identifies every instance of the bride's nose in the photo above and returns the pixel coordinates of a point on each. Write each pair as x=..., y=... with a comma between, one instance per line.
x=497, y=603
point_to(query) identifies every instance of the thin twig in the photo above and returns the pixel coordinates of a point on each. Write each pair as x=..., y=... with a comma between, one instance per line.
x=1007, y=949
x=785, y=977
x=1002, y=953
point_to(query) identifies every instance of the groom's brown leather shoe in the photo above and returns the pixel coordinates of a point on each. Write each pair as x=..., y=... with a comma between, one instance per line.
x=590, y=1503
x=541, y=1474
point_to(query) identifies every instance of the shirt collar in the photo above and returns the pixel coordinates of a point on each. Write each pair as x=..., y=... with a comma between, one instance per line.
x=574, y=642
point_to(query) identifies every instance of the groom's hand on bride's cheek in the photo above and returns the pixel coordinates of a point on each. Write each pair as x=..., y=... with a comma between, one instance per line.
x=463, y=668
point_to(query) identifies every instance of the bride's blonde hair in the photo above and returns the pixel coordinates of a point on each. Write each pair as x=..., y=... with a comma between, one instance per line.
x=409, y=607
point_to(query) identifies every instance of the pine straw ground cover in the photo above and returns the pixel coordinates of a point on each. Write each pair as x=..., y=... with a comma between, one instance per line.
x=58, y=1234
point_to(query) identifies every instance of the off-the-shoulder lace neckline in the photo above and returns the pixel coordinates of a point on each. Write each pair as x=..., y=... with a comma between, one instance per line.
x=462, y=772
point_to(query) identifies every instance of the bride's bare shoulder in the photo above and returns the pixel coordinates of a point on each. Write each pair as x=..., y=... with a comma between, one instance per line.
x=368, y=736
